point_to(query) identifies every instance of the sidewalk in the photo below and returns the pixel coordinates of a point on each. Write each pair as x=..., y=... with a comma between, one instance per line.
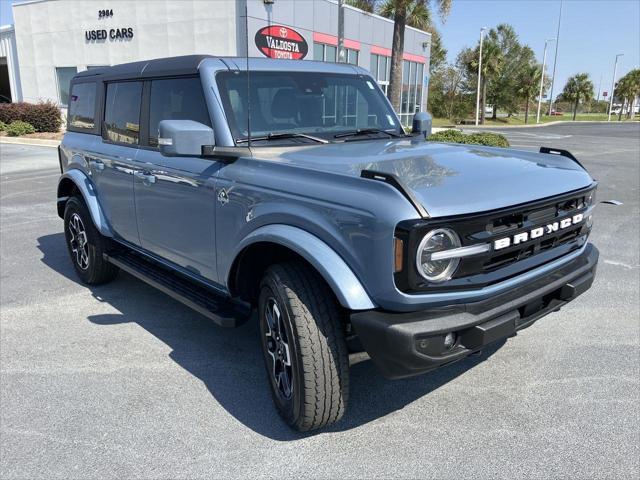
x=30, y=141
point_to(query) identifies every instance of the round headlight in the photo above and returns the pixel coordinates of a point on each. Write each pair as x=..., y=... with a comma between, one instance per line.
x=436, y=241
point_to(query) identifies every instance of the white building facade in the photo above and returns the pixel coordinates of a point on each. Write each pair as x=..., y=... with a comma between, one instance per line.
x=57, y=38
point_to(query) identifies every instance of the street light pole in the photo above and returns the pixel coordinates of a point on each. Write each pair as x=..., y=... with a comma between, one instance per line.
x=555, y=59
x=340, y=57
x=544, y=62
x=482, y=30
x=613, y=85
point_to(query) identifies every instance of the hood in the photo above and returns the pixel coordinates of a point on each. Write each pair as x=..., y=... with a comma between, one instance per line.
x=448, y=179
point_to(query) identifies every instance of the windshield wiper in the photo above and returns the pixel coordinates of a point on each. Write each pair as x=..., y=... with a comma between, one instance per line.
x=365, y=131
x=284, y=135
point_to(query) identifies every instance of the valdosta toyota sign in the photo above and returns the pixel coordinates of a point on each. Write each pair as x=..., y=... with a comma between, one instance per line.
x=278, y=41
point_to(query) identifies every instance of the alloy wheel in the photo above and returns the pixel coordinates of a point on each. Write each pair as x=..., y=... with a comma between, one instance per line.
x=277, y=342
x=78, y=241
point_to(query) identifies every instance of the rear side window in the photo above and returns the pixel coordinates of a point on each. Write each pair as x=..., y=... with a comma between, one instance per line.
x=82, y=106
x=122, y=112
x=176, y=99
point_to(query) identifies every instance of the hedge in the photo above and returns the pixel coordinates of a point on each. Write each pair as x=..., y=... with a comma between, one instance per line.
x=43, y=116
x=480, y=138
x=19, y=128
x=3, y=126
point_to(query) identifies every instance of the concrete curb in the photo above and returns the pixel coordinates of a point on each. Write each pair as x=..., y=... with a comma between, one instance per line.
x=41, y=142
x=548, y=124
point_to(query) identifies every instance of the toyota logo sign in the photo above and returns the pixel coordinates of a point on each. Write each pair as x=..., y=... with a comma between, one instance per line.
x=278, y=41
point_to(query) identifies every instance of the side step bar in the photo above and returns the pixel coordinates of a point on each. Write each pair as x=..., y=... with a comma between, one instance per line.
x=223, y=311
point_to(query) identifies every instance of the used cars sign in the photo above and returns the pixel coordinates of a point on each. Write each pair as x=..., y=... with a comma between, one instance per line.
x=277, y=41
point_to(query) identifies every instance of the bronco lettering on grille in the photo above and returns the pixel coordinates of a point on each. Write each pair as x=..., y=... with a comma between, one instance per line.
x=537, y=232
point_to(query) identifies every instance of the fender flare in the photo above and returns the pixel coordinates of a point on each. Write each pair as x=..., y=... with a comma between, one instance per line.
x=341, y=279
x=88, y=191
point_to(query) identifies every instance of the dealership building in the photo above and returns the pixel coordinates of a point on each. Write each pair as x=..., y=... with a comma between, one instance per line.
x=51, y=40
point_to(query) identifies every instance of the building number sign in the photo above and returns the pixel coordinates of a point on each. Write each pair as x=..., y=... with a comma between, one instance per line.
x=105, y=13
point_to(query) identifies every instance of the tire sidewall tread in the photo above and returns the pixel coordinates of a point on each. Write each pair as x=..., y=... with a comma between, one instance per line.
x=321, y=365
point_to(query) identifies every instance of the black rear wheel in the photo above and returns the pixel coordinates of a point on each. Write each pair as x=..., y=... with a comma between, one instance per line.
x=304, y=347
x=86, y=245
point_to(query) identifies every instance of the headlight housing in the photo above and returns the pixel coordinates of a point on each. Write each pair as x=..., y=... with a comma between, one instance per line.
x=436, y=241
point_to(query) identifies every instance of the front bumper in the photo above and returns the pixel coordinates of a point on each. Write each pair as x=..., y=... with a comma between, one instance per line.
x=407, y=344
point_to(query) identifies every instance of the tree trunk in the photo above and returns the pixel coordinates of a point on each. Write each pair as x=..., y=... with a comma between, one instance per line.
x=397, y=51
x=575, y=110
x=483, y=99
x=494, y=112
x=526, y=111
x=624, y=101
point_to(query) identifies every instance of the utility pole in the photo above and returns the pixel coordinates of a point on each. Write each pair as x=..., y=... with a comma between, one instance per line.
x=341, y=57
x=544, y=62
x=555, y=60
x=613, y=85
x=599, y=89
x=479, y=75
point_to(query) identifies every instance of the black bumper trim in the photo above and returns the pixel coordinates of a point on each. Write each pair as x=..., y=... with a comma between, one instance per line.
x=407, y=344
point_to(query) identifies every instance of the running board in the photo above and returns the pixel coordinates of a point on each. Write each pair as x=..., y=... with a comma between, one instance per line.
x=223, y=311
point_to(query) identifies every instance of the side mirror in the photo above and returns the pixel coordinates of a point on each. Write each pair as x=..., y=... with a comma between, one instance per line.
x=422, y=124
x=178, y=138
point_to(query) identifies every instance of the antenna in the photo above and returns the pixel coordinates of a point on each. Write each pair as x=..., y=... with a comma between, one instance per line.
x=246, y=18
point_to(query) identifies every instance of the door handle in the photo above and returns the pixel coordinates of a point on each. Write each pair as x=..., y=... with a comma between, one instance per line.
x=98, y=165
x=146, y=178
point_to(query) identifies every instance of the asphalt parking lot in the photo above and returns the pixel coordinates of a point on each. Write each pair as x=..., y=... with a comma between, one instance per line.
x=121, y=381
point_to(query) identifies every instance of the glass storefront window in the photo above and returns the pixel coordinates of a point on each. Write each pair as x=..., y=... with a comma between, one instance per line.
x=63, y=77
x=318, y=52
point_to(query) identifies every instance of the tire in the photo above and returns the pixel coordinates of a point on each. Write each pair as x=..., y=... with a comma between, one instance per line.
x=312, y=342
x=86, y=245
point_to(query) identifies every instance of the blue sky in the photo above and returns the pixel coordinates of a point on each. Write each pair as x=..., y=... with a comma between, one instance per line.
x=592, y=31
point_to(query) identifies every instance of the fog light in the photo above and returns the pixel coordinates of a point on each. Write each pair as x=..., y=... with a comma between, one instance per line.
x=449, y=340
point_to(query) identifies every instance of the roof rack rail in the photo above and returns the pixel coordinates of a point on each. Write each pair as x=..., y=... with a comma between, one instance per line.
x=561, y=152
x=395, y=182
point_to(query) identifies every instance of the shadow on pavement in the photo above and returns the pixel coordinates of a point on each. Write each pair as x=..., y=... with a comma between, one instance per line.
x=229, y=361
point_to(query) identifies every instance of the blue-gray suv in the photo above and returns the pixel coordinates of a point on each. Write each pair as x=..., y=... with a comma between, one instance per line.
x=291, y=188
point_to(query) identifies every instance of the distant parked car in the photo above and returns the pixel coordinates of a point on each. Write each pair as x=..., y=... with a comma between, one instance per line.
x=556, y=113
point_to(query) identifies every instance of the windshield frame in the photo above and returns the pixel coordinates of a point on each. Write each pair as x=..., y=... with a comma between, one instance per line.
x=239, y=138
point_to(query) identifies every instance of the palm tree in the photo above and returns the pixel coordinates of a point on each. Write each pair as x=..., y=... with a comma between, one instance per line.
x=578, y=88
x=492, y=60
x=627, y=89
x=529, y=81
x=366, y=5
x=414, y=13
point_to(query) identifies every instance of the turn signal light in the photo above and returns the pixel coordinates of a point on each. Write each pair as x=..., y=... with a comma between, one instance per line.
x=398, y=254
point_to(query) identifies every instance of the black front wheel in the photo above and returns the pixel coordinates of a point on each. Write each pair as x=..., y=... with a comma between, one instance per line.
x=304, y=347
x=86, y=245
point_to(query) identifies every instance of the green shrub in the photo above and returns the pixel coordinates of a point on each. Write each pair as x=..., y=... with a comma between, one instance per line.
x=43, y=116
x=3, y=126
x=18, y=128
x=479, y=138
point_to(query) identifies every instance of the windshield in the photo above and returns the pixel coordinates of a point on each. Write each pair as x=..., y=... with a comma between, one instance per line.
x=318, y=104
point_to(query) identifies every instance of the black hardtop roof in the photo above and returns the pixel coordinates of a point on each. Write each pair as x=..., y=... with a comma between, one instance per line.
x=184, y=65
x=189, y=65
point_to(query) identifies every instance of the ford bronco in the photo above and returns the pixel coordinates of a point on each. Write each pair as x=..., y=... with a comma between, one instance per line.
x=290, y=188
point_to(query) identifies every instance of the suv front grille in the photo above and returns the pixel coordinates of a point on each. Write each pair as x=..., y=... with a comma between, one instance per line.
x=498, y=264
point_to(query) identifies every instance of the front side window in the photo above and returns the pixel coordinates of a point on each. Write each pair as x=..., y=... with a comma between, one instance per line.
x=82, y=106
x=176, y=99
x=122, y=112
x=319, y=104
x=63, y=77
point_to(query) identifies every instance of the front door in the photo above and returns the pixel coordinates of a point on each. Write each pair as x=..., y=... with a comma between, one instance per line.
x=175, y=196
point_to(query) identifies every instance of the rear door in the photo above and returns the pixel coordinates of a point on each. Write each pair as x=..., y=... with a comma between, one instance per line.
x=113, y=165
x=175, y=196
